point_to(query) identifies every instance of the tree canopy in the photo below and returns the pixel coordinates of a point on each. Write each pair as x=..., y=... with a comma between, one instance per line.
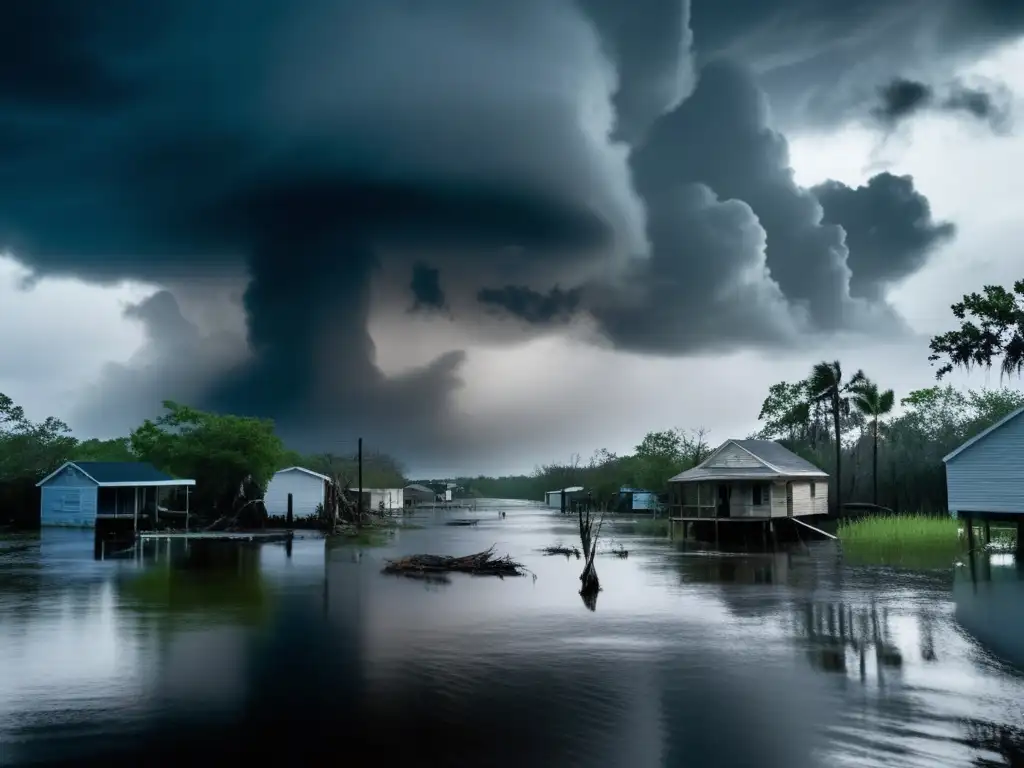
x=991, y=328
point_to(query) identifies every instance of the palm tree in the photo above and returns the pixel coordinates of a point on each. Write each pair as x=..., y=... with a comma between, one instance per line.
x=825, y=386
x=873, y=404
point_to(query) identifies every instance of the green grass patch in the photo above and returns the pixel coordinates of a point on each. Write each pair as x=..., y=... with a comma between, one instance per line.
x=913, y=541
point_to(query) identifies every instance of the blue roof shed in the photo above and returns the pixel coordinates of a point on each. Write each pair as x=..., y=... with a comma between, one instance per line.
x=81, y=492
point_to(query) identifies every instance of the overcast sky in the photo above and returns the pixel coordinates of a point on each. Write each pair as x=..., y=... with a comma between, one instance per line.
x=487, y=237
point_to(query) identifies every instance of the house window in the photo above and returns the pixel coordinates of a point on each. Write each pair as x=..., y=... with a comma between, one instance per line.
x=760, y=495
x=812, y=489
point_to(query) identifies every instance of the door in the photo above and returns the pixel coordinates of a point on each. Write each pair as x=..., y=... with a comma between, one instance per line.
x=789, y=499
x=723, y=500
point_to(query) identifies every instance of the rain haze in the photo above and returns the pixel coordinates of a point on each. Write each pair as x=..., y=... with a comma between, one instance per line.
x=485, y=236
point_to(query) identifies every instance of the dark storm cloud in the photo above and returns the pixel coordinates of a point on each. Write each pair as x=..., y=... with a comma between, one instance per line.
x=308, y=144
x=426, y=288
x=901, y=99
x=530, y=305
x=820, y=61
x=889, y=229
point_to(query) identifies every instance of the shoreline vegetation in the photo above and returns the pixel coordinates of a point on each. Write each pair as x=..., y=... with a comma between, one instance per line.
x=914, y=540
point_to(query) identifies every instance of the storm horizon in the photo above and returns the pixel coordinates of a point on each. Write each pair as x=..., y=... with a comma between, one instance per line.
x=486, y=237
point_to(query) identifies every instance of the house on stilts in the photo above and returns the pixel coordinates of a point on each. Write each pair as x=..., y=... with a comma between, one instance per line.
x=747, y=481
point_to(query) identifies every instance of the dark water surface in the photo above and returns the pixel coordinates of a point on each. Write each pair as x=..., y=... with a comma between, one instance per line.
x=690, y=659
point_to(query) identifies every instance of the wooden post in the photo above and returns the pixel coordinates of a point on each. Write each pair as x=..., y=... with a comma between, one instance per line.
x=289, y=514
x=969, y=528
x=359, y=502
x=186, y=509
x=1020, y=538
x=136, y=523
x=988, y=533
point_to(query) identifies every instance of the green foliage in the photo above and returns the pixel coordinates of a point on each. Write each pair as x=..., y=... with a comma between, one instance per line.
x=379, y=469
x=219, y=452
x=117, y=449
x=910, y=540
x=30, y=450
x=991, y=327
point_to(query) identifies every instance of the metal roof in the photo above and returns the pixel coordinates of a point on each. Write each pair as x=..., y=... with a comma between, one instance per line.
x=776, y=461
x=303, y=469
x=574, y=489
x=778, y=456
x=120, y=473
x=983, y=434
x=419, y=488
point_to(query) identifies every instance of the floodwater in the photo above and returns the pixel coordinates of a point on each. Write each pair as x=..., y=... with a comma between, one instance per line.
x=310, y=655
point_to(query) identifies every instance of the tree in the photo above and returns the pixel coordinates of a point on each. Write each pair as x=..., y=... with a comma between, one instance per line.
x=221, y=452
x=825, y=386
x=992, y=326
x=785, y=412
x=874, y=405
x=116, y=449
x=29, y=450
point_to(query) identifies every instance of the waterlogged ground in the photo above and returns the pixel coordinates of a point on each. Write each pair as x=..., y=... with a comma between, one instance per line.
x=691, y=658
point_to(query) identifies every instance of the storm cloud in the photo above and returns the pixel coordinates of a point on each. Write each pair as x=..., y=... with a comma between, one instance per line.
x=544, y=157
x=901, y=99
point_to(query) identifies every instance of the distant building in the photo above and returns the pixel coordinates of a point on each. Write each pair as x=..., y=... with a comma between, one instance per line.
x=419, y=494
x=554, y=499
x=392, y=498
x=754, y=479
x=80, y=492
x=636, y=500
x=307, y=489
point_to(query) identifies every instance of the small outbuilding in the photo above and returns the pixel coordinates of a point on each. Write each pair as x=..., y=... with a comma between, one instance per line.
x=563, y=498
x=751, y=479
x=985, y=475
x=81, y=492
x=419, y=494
x=636, y=500
x=306, y=488
x=391, y=499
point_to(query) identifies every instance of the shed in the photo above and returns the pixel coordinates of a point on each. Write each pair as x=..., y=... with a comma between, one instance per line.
x=419, y=494
x=555, y=499
x=81, y=492
x=752, y=479
x=636, y=500
x=392, y=498
x=983, y=476
x=307, y=489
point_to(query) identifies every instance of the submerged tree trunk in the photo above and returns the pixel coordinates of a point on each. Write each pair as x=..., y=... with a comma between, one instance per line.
x=839, y=452
x=874, y=464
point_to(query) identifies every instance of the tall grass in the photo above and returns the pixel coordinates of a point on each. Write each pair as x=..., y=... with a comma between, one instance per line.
x=909, y=540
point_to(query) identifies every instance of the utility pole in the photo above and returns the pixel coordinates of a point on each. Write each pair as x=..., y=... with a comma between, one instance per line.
x=359, y=504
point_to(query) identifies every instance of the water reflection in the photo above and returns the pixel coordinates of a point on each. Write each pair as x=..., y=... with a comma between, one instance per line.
x=789, y=658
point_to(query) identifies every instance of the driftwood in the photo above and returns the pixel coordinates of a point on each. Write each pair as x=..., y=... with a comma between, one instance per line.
x=619, y=551
x=481, y=564
x=462, y=522
x=567, y=551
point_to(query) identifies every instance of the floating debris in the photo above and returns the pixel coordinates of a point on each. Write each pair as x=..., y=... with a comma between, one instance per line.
x=462, y=522
x=481, y=564
x=567, y=551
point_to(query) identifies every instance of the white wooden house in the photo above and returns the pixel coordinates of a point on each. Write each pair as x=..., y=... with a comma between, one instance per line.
x=307, y=489
x=751, y=479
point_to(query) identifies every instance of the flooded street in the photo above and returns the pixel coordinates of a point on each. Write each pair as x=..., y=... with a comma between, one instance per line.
x=690, y=658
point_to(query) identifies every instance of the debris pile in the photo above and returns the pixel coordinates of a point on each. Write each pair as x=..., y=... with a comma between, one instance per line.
x=481, y=564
